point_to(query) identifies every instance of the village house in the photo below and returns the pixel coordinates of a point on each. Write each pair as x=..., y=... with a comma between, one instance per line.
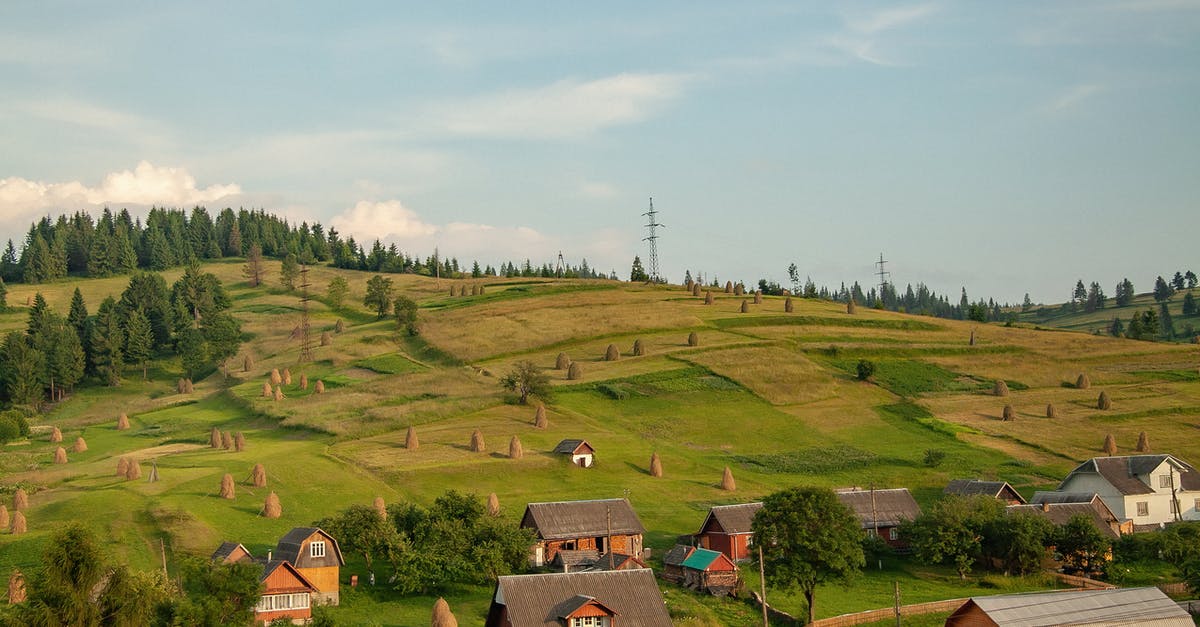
x=315, y=555
x=1111, y=520
x=614, y=598
x=881, y=511
x=286, y=592
x=583, y=526
x=618, y=561
x=999, y=490
x=727, y=529
x=582, y=454
x=1149, y=490
x=1079, y=608
x=701, y=569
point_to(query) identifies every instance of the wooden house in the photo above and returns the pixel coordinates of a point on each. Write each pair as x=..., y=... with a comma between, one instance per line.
x=999, y=490
x=1082, y=608
x=1110, y=518
x=231, y=552
x=286, y=594
x=613, y=598
x=710, y=571
x=881, y=511
x=317, y=556
x=600, y=525
x=582, y=454
x=618, y=561
x=727, y=529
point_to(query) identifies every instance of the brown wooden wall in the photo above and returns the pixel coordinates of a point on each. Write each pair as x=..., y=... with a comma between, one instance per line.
x=266, y=617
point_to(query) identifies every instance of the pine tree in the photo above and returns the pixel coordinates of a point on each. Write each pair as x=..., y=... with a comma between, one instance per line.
x=638, y=274
x=65, y=359
x=107, y=342
x=1079, y=297
x=253, y=270
x=1177, y=281
x=10, y=270
x=1165, y=322
x=1189, y=302
x=21, y=371
x=1162, y=290
x=139, y=340
x=36, y=259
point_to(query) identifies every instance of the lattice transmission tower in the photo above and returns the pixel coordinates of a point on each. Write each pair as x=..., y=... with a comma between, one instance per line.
x=651, y=226
x=306, y=343
x=883, y=275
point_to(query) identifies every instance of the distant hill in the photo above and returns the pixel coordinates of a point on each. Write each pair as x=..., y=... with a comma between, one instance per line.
x=1076, y=318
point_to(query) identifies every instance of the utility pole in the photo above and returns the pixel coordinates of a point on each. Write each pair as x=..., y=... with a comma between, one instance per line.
x=608, y=542
x=896, y=600
x=651, y=225
x=762, y=586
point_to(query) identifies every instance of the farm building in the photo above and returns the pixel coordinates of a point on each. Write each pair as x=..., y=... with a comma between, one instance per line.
x=612, y=598
x=673, y=562
x=1150, y=490
x=999, y=490
x=727, y=529
x=582, y=454
x=582, y=525
x=286, y=594
x=568, y=561
x=317, y=556
x=618, y=561
x=709, y=571
x=1080, y=608
x=230, y=552
x=881, y=511
x=1060, y=506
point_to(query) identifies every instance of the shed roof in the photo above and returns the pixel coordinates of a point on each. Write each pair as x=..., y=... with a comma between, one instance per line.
x=1122, y=472
x=1054, y=496
x=701, y=559
x=677, y=555
x=539, y=600
x=732, y=518
x=579, y=519
x=619, y=561
x=971, y=487
x=570, y=447
x=1117, y=606
x=891, y=506
x=292, y=542
x=572, y=558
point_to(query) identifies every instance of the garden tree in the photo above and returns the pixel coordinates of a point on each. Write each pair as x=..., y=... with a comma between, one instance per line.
x=65, y=359
x=22, y=372
x=337, y=291
x=807, y=538
x=977, y=312
x=139, y=340
x=1124, y=293
x=865, y=369
x=379, y=295
x=253, y=270
x=289, y=272
x=950, y=532
x=637, y=273
x=107, y=343
x=1116, y=328
x=1177, y=281
x=147, y=292
x=223, y=336
x=526, y=379
x=195, y=296
x=1081, y=545
x=405, y=309
x=1162, y=290
x=1018, y=541
x=362, y=529
x=217, y=593
x=794, y=277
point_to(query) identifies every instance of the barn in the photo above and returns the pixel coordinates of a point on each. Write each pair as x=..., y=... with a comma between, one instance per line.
x=582, y=454
x=882, y=511
x=582, y=526
x=727, y=529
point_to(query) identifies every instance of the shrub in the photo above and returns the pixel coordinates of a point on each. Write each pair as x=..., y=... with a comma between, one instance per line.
x=639, y=348
x=1051, y=410
x=18, y=526
x=319, y=388
x=693, y=339
x=708, y=298
x=612, y=353
x=514, y=448
x=380, y=507
x=727, y=482
x=865, y=369
x=655, y=465
x=1110, y=445
x=1008, y=413
x=613, y=390
x=258, y=476
x=80, y=445
x=122, y=422
x=539, y=417
x=21, y=499
x=134, y=471
x=1143, y=445
x=1103, y=402
x=745, y=306
x=787, y=305
x=1083, y=382
x=493, y=504
x=55, y=435
x=1000, y=388
x=214, y=438
x=239, y=442
x=410, y=440
x=477, y=445
x=934, y=457
x=272, y=507
x=575, y=372
x=562, y=362
x=850, y=307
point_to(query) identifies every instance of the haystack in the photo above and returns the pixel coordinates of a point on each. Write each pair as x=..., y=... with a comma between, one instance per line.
x=134, y=471
x=1110, y=445
x=1103, y=403
x=514, y=448
x=247, y=363
x=122, y=423
x=188, y=386
x=258, y=476
x=16, y=587
x=153, y=472
x=655, y=465
x=971, y=342
x=708, y=298
x=493, y=504
x=474, y=290
x=562, y=362
x=80, y=445
x=441, y=615
x=122, y=466
x=850, y=306
x=612, y=353
x=380, y=507
x=727, y=482
x=21, y=499
x=410, y=441
x=60, y=455
x=575, y=372
x=539, y=417
x=278, y=394
x=227, y=489
x=738, y=290
x=326, y=338
x=339, y=326
x=287, y=376
x=319, y=388
x=1083, y=382
x=55, y=435
x=1051, y=410
x=745, y=306
x=687, y=285
x=696, y=290
x=214, y=438
x=227, y=440
x=639, y=348
x=477, y=445
x=1000, y=388
x=481, y=290
x=729, y=287
x=453, y=292
x=239, y=442
x=267, y=391
x=1143, y=445
x=787, y=305
x=1009, y=413
x=275, y=378
x=272, y=508
x=4, y=518
x=303, y=382
x=693, y=339
x=18, y=525
x=758, y=297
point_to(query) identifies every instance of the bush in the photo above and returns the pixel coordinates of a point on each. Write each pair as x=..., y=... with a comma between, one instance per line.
x=934, y=457
x=865, y=369
x=613, y=391
x=13, y=425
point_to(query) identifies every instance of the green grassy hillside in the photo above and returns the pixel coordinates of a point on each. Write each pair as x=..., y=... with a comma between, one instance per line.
x=1099, y=321
x=772, y=395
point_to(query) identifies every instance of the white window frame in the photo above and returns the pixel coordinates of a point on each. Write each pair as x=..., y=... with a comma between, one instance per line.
x=591, y=621
x=893, y=534
x=1164, y=481
x=1143, y=508
x=278, y=602
x=316, y=549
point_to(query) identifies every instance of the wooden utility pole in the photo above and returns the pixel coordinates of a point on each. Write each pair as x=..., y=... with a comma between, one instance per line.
x=762, y=586
x=896, y=601
x=162, y=547
x=608, y=522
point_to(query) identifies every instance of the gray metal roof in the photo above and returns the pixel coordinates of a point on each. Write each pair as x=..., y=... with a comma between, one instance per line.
x=540, y=600
x=1053, y=496
x=1122, y=472
x=568, y=447
x=1115, y=607
x=581, y=519
x=890, y=507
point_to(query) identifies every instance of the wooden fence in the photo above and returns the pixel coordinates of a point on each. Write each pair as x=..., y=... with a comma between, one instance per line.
x=871, y=616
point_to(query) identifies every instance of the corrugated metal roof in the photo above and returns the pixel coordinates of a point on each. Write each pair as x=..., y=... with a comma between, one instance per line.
x=1061, y=513
x=581, y=519
x=1048, y=496
x=1119, y=606
x=891, y=506
x=733, y=518
x=536, y=600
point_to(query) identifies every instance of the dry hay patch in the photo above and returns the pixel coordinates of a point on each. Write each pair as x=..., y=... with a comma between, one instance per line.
x=780, y=376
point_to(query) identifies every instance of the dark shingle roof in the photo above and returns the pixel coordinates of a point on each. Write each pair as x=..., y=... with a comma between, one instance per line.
x=1062, y=513
x=1123, y=472
x=1118, y=606
x=541, y=600
x=677, y=555
x=971, y=487
x=226, y=549
x=577, y=519
x=733, y=518
x=567, y=447
x=290, y=545
x=891, y=506
x=1045, y=496
x=618, y=561
x=571, y=559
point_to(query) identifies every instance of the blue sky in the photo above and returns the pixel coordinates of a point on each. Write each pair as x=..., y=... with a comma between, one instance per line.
x=1008, y=147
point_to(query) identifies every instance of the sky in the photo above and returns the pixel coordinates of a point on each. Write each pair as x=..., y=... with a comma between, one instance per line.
x=1005, y=147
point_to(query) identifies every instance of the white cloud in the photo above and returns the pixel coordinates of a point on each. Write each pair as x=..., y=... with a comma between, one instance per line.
x=597, y=190
x=888, y=19
x=564, y=109
x=145, y=185
x=1072, y=96
x=368, y=221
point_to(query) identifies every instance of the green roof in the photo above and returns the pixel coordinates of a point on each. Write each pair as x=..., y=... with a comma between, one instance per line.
x=701, y=559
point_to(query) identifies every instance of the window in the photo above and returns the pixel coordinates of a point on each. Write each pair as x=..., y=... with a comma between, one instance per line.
x=1143, y=508
x=273, y=602
x=591, y=621
x=1164, y=481
x=317, y=549
x=893, y=534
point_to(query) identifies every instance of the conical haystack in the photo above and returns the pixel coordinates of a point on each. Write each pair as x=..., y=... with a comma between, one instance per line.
x=1051, y=410
x=687, y=285
x=562, y=362
x=303, y=382
x=639, y=348
x=693, y=339
x=708, y=298
x=1143, y=445
x=477, y=445
x=247, y=363
x=493, y=504
x=18, y=526
x=575, y=372
x=788, y=307
x=80, y=445
x=729, y=287
x=258, y=476
x=276, y=379
x=326, y=338
x=539, y=417
x=4, y=517
x=319, y=388
x=279, y=393
x=410, y=440
x=758, y=298
x=745, y=307
x=272, y=508
x=971, y=342
x=239, y=442
x=1000, y=388
x=16, y=587
x=1009, y=413
x=727, y=482
x=122, y=466
x=134, y=471
x=474, y=290
x=55, y=435
x=696, y=289
x=380, y=507
x=612, y=353
x=851, y=307
x=655, y=465
x=1110, y=445
x=21, y=499
x=287, y=376
x=267, y=392
x=739, y=289
x=227, y=440
x=339, y=326
x=514, y=448
x=122, y=422
x=1083, y=382
x=441, y=615
x=1103, y=402
x=214, y=438
x=60, y=455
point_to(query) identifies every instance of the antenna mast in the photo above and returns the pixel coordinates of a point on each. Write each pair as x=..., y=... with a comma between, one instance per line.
x=883, y=275
x=651, y=225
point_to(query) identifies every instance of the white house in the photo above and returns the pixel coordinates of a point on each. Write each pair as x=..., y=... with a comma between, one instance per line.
x=580, y=451
x=1149, y=490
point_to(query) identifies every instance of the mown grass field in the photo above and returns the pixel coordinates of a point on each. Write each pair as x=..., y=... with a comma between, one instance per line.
x=769, y=394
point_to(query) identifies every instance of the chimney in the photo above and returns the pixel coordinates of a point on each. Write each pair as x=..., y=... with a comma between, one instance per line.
x=1045, y=506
